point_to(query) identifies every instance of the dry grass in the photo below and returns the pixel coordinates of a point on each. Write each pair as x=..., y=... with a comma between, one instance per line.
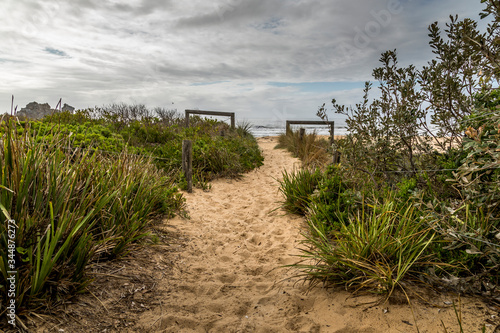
x=313, y=150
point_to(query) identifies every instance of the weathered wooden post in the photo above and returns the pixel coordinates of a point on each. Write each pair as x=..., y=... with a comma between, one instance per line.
x=187, y=163
x=302, y=133
x=187, y=118
x=336, y=157
x=233, y=120
x=288, y=127
x=332, y=132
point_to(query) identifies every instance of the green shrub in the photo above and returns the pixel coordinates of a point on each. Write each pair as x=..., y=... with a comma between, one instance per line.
x=479, y=174
x=373, y=250
x=71, y=207
x=332, y=201
x=85, y=135
x=468, y=242
x=297, y=188
x=405, y=188
x=438, y=183
x=114, y=127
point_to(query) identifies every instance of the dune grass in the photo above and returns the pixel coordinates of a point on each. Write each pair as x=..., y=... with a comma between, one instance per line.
x=312, y=150
x=72, y=207
x=297, y=188
x=374, y=250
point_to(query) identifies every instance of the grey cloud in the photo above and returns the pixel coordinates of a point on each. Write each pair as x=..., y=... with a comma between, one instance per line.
x=235, y=13
x=146, y=7
x=150, y=49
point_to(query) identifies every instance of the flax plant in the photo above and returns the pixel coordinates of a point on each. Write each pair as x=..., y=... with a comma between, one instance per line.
x=297, y=188
x=375, y=249
x=70, y=205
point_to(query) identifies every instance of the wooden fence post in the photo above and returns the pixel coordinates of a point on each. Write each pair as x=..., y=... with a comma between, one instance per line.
x=302, y=132
x=310, y=122
x=332, y=132
x=336, y=154
x=187, y=163
x=233, y=120
x=336, y=157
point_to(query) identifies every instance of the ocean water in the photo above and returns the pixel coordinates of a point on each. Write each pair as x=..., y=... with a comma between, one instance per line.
x=261, y=127
x=262, y=130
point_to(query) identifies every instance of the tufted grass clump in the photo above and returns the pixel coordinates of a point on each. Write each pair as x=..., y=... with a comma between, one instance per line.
x=312, y=150
x=297, y=188
x=375, y=249
x=71, y=207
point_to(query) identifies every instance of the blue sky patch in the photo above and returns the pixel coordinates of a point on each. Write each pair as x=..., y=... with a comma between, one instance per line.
x=270, y=25
x=273, y=23
x=55, y=52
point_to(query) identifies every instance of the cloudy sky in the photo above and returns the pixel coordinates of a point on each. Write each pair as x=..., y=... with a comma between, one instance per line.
x=264, y=59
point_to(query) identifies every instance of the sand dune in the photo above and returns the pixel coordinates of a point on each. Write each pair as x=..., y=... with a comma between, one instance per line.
x=228, y=277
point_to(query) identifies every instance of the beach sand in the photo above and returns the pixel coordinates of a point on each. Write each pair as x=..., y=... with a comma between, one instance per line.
x=228, y=274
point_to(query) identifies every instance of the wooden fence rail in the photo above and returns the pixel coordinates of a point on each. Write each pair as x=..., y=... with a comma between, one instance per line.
x=211, y=113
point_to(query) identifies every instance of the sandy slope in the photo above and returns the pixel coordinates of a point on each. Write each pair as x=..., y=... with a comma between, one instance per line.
x=227, y=277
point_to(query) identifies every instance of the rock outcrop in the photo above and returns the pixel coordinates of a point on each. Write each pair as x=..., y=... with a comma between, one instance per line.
x=68, y=108
x=35, y=110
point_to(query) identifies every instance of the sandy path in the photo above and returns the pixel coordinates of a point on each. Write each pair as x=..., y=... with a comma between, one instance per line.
x=226, y=278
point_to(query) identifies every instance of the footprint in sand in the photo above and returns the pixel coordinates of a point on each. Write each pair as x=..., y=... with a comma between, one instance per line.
x=216, y=307
x=227, y=278
x=256, y=240
x=171, y=323
x=225, y=259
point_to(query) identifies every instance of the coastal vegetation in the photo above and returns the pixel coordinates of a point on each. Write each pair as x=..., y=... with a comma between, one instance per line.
x=414, y=200
x=415, y=197
x=85, y=187
x=312, y=150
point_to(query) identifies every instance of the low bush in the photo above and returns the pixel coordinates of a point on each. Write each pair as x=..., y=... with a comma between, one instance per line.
x=468, y=242
x=298, y=187
x=70, y=207
x=375, y=248
x=331, y=203
x=113, y=127
x=479, y=174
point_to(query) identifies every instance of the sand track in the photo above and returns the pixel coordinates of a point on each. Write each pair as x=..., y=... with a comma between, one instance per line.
x=227, y=276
